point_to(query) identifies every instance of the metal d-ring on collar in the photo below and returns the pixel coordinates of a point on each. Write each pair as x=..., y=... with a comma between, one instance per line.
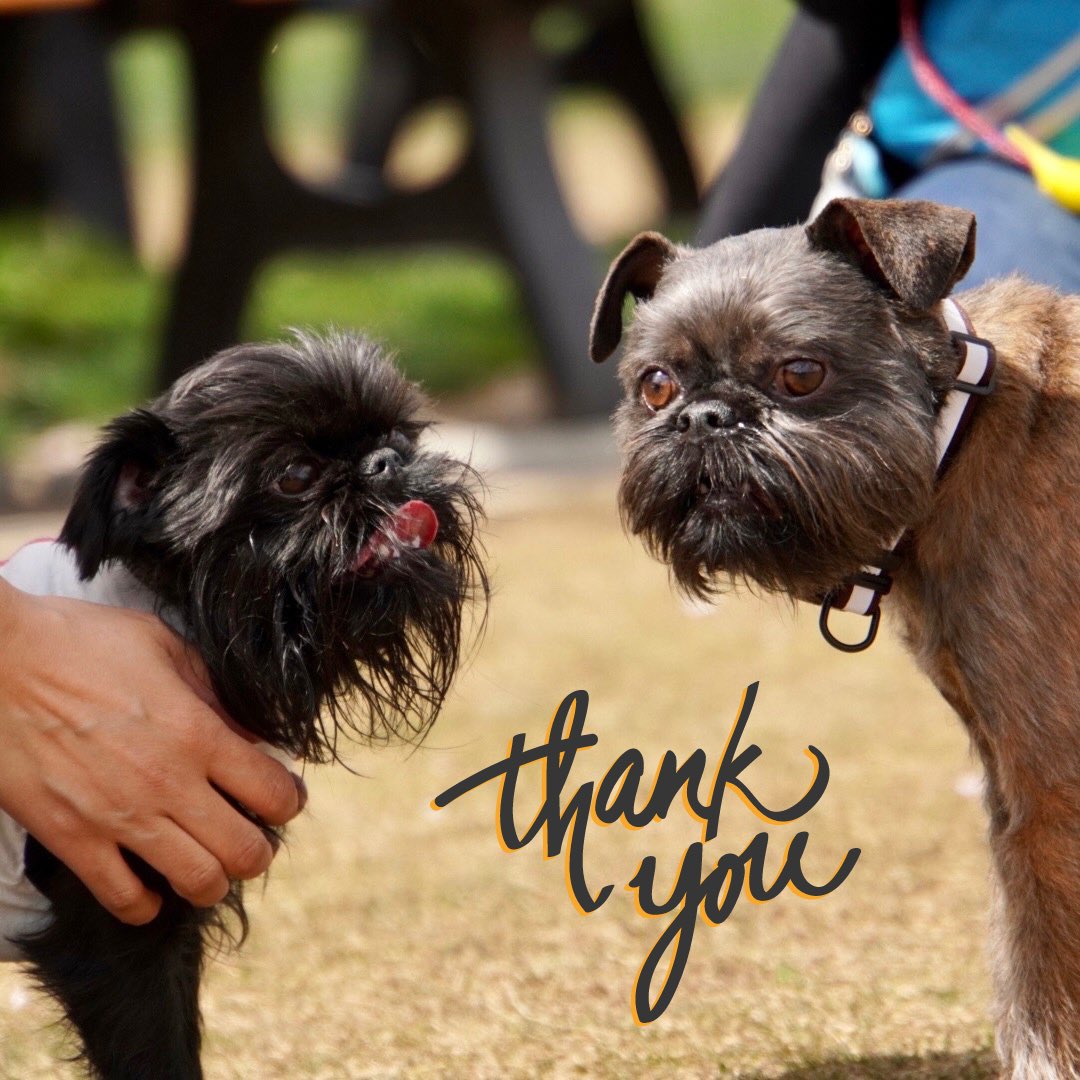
x=861, y=593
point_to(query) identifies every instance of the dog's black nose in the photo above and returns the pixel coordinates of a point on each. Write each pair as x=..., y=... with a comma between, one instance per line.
x=705, y=417
x=383, y=462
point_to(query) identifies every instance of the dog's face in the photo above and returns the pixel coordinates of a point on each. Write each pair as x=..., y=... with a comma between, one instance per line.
x=277, y=498
x=780, y=391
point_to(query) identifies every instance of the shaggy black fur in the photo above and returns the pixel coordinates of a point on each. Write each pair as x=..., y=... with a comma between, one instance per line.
x=187, y=494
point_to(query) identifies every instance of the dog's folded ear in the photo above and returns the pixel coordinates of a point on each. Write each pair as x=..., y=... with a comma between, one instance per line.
x=636, y=271
x=918, y=250
x=115, y=485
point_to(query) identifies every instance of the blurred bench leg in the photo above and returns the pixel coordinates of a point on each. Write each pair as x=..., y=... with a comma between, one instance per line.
x=59, y=138
x=397, y=79
x=618, y=58
x=558, y=271
x=226, y=238
x=21, y=180
x=86, y=172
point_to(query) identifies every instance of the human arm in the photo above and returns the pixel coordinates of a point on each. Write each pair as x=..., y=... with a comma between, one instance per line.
x=110, y=737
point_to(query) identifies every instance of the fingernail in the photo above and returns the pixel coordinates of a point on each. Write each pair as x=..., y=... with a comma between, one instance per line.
x=301, y=789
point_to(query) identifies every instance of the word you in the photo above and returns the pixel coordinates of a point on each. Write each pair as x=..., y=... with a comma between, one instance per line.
x=562, y=820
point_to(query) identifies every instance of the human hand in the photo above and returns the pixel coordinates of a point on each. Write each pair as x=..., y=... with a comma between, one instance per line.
x=110, y=737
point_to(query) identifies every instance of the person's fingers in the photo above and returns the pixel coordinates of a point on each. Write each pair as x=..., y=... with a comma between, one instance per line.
x=126, y=758
x=239, y=846
x=256, y=780
x=115, y=886
x=193, y=872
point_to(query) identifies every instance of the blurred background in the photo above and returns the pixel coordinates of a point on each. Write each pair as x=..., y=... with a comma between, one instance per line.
x=101, y=140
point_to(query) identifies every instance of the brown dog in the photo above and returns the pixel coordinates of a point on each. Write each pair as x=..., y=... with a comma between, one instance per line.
x=786, y=393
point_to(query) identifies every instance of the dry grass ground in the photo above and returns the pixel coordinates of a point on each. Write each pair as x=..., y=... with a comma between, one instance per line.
x=397, y=942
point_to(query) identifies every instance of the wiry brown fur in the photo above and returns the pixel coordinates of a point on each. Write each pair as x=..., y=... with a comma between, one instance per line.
x=804, y=492
x=991, y=601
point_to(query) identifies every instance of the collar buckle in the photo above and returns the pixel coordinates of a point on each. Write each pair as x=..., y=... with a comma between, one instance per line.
x=985, y=365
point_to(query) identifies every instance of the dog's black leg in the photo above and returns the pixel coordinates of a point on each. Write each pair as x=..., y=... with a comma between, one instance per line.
x=131, y=992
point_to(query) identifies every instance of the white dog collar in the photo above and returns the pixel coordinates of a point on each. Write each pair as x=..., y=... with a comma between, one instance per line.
x=861, y=594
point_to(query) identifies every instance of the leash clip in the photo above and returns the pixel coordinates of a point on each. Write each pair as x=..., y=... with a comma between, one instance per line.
x=874, y=615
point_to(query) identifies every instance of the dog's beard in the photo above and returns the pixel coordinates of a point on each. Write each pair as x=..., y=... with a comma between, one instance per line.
x=334, y=624
x=789, y=504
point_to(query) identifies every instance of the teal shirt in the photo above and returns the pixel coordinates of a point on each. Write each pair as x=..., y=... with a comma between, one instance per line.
x=981, y=47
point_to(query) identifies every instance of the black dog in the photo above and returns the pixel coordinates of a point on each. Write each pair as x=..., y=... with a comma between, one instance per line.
x=275, y=506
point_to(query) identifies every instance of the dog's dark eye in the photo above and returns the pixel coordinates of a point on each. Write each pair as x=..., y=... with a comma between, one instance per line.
x=298, y=477
x=798, y=378
x=658, y=389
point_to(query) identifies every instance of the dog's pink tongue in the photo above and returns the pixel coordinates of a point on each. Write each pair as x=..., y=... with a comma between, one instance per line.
x=412, y=525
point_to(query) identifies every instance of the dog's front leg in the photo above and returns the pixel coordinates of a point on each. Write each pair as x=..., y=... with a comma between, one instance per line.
x=1035, y=839
x=130, y=992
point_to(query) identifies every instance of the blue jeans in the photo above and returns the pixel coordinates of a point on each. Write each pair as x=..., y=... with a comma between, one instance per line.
x=1019, y=229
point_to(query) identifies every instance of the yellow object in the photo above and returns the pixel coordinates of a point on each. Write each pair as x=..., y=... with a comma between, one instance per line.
x=1055, y=174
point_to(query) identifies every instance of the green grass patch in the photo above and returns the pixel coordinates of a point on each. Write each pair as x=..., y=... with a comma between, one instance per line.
x=454, y=318
x=79, y=318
